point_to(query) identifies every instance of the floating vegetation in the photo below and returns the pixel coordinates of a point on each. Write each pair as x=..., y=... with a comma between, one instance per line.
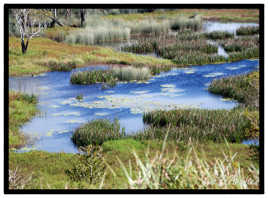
x=168, y=85
x=232, y=68
x=101, y=113
x=43, y=88
x=214, y=74
x=50, y=132
x=191, y=71
x=54, y=106
x=67, y=114
x=139, y=92
x=74, y=121
x=79, y=97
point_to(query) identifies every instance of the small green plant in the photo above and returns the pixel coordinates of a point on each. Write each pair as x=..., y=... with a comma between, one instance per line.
x=79, y=97
x=97, y=131
x=89, y=167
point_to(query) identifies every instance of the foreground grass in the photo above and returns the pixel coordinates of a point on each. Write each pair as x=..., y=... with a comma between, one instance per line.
x=44, y=175
x=46, y=55
x=22, y=108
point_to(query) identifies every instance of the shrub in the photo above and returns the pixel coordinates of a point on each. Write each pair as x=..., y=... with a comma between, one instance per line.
x=96, y=132
x=247, y=31
x=89, y=167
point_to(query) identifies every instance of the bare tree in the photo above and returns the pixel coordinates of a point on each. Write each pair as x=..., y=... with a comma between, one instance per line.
x=30, y=23
x=83, y=16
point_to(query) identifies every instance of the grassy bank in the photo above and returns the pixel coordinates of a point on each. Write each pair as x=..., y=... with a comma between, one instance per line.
x=46, y=55
x=22, y=108
x=244, y=88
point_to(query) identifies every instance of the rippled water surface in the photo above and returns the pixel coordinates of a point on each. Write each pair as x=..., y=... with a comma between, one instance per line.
x=62, y=112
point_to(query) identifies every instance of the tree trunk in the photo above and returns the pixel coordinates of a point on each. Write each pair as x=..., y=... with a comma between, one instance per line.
x=82, y=15
x=23, y=46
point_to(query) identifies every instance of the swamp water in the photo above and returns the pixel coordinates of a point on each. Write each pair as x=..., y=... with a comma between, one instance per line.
x=62, y=113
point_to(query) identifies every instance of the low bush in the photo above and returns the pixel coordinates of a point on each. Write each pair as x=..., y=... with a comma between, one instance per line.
x=96, y=132
x=89, y=166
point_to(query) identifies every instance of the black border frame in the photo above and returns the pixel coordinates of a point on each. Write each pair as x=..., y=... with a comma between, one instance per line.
x=127, y=191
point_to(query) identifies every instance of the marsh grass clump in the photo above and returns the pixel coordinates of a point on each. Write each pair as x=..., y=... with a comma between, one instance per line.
x=131, y=73
x=182, y=24
x=96, y=132
x=240, y=44
x=111, y=76
x=196, y=124
x=244, y=88
x=149, y=27
x=218, y=35
x=98, y=35
x=242, y=31
x=162, y=170
x=92, y=77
